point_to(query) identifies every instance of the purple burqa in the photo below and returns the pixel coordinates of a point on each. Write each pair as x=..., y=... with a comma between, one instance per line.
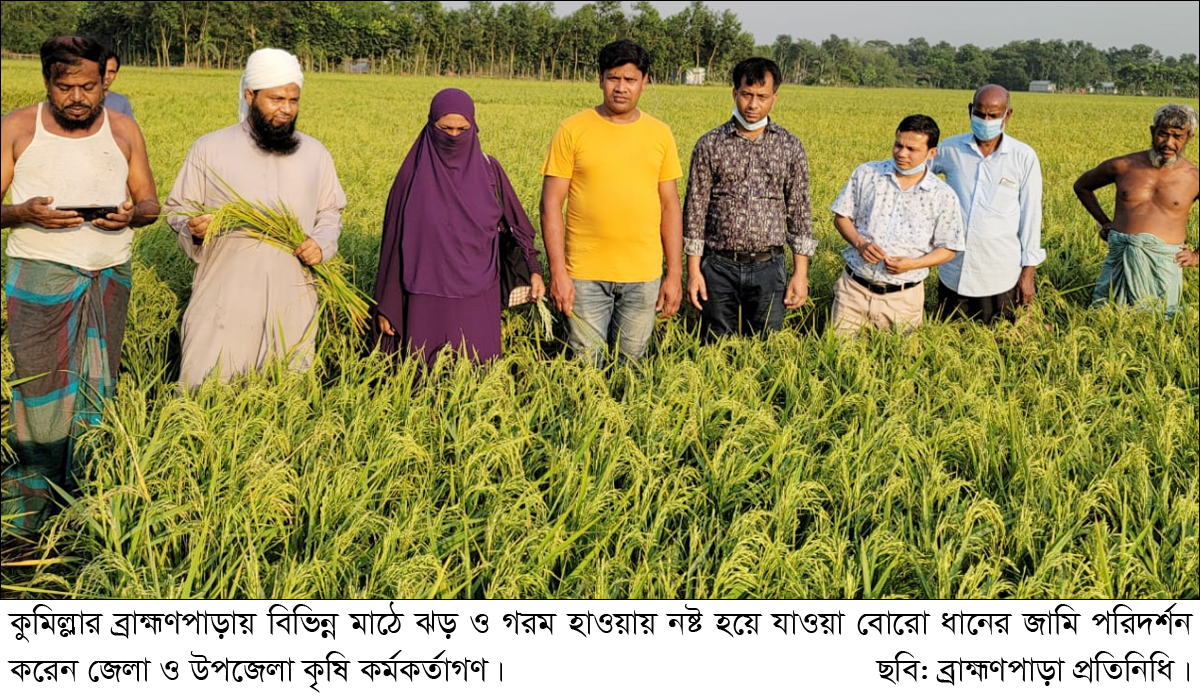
x=438, y=280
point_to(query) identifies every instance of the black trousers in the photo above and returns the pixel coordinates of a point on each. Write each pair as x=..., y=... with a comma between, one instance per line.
x=743, y=298
x=986, y=310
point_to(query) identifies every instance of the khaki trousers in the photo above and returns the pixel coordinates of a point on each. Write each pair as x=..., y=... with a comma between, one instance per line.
x=855, y=307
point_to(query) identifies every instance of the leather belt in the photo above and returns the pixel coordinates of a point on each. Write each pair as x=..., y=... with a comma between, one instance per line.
x=880, y=288
x=748, y=257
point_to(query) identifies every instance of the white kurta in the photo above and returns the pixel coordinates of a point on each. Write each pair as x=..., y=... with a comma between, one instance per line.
x=252, y=302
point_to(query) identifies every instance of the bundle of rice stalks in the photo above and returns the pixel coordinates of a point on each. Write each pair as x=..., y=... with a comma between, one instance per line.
x=281, y=229
x=547, y=319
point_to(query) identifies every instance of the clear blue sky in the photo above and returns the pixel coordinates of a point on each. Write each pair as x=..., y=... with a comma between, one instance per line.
x=1171, y=27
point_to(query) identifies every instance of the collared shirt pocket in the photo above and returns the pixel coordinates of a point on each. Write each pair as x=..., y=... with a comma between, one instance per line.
x=1005, y=198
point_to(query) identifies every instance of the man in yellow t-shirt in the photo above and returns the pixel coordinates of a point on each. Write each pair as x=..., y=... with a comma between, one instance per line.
x=615, y=168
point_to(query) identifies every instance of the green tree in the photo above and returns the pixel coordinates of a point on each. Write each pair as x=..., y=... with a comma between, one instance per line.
x=584, y=37
x=25, y=25
x=1008, y=67
x=430, y=22
x=971, y=67
x=647, y=28
x=528, y=39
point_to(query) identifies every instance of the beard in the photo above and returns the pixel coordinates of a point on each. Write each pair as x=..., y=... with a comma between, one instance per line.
x=278, y=140
x=1160, y=161
x=68, y=123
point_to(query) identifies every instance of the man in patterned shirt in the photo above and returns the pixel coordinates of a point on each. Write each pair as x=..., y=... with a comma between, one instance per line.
x=747, y=194
x=900, y=221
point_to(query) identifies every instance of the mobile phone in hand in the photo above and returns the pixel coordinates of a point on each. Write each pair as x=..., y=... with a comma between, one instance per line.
x=89, y=212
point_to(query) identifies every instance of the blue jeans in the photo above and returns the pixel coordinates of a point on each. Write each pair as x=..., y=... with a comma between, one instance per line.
x=742, y=298
x=612, y=315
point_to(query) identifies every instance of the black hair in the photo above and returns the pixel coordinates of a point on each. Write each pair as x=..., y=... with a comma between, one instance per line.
x=920, y=123
x=71, y=50
x=623, y=51
x=754, y=71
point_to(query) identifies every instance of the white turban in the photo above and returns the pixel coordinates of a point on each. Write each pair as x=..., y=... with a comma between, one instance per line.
x=267, y=68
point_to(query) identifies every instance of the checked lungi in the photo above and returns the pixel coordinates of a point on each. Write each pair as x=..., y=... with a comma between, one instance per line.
x=65, y=327
x=1140, y=269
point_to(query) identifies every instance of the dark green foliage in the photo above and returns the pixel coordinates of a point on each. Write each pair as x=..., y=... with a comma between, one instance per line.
x=528, y=39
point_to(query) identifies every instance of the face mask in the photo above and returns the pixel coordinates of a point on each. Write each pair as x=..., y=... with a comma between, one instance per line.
x=757, y=125
x=909, y=172
x=985, y=130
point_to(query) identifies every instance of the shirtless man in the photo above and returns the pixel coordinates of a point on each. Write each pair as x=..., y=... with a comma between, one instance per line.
x=1155, y=191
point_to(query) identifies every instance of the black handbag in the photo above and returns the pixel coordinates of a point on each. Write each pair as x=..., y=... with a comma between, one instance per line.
x=516, y=285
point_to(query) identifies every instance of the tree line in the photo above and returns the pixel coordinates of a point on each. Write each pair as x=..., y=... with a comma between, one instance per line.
x=1071, y=65
x=529, y=40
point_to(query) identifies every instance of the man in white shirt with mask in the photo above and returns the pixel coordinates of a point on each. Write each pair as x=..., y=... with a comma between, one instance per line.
x=998, y=180
x=899, y=221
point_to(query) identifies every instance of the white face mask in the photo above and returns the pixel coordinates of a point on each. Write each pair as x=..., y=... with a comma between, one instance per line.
x=756, y=126
x=909, y=172
x=986, y=130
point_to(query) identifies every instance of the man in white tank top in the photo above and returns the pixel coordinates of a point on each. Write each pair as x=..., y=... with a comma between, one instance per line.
x=80, y=182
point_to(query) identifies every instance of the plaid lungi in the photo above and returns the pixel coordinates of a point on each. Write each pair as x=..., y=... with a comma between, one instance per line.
x=65, y=327
x=1139, y=270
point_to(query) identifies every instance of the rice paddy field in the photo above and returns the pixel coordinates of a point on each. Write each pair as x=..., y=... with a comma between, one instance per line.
x=1056, y=457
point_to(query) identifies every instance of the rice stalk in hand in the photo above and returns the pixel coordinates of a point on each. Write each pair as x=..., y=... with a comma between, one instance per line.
x=281, y=229
x=543, y=311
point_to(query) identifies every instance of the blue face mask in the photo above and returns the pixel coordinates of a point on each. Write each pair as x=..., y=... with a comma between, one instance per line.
x=909, y=172
x=985, y=130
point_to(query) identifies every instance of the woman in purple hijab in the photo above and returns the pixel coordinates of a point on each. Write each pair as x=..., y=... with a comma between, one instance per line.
x=439, y=279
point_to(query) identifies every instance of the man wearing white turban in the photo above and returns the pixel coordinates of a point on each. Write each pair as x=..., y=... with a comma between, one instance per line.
x=252, y=302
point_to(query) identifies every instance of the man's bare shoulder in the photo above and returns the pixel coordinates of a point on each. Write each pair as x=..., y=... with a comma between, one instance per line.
x=1186, y=166
x=20, y=120
x=1136, y=163
x=17, y=130
x=1133, y=160
x=121, y=124
x=1189, y=172
x=125, y=130
x=1117, y=168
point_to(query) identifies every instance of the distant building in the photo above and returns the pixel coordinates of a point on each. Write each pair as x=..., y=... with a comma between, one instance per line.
x=694, y=76
x=360, y=67
x=1107, y=88
x=1041, y=86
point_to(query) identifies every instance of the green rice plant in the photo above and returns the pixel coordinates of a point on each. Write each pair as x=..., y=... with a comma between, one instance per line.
x=547, y=319
x=281, y=229
x=1053, y=457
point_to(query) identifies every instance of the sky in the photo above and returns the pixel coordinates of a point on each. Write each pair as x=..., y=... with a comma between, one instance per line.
x=1171, y=27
